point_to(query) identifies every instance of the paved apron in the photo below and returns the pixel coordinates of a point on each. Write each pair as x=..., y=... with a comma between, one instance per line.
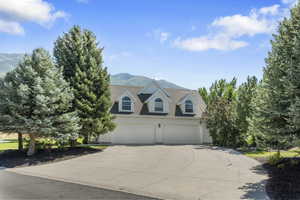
x=169, y=172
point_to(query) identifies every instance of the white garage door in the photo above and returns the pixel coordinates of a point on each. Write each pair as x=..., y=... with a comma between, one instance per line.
x=134, y=134
x=181, y=134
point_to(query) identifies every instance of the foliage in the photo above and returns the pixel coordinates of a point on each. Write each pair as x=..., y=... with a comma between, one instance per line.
x=228, y=110
x=243, y=110
x=274, y=159
x=220, y=114
x=275, y=122
x=78, y=54
x=36, y=100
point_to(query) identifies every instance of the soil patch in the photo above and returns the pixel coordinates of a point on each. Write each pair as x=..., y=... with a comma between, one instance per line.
x=284, y=179
x=14, y=158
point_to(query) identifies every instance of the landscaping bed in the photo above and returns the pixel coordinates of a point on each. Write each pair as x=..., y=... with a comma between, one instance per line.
x=14, y=158
x=284, y=179
x=284, y=174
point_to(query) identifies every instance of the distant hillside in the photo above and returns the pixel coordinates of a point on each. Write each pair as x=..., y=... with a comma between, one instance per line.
x=132, y=80
x=10, y=61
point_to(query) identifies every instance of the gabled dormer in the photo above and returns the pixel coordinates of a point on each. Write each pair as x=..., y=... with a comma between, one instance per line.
x=187, y=104
x=158, y=99
x=158, y=102
x=126, y=102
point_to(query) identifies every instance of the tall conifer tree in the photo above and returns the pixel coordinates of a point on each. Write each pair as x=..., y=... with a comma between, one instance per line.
x=276, y=97
x=78, y=54
x=35, y=100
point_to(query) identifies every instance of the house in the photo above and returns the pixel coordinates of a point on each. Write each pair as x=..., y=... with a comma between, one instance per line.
x=155, y=115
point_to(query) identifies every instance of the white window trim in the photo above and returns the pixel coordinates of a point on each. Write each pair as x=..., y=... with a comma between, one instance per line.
x=163, y=103
x=182, y=105
x=184, y=110
x=131, y=97
x=151, y=102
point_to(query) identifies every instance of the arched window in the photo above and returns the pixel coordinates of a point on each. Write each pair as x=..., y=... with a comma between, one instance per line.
x=158, y=105
x=126, y=104
x=189, y=106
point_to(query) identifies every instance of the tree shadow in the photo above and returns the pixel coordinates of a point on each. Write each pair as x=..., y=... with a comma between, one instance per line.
x=14, y=158
x=216, y=148
x=255, y=191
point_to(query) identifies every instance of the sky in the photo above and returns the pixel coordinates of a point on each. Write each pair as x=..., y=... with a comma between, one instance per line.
x=191, y=43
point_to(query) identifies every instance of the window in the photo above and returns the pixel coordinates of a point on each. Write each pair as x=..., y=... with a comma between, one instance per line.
x=158, y=105
x=126, y=104
x=189, y=106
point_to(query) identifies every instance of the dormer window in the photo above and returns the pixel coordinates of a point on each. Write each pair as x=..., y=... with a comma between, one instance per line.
x=158, y=105
x=126, y=104
x=189, y=106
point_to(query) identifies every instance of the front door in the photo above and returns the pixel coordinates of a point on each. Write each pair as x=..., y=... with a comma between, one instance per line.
x=158, y=133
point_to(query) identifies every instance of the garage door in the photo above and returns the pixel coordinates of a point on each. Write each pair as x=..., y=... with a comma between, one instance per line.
x=181, y=134
x=134, y=134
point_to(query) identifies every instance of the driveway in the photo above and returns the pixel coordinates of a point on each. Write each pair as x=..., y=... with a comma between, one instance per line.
x=17, y=186
x=167, y=172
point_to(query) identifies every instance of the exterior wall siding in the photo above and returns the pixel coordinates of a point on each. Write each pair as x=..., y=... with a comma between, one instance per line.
x=157, y=130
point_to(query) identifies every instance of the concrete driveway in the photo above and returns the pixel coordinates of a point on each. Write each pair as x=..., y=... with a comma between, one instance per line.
x=167, y=172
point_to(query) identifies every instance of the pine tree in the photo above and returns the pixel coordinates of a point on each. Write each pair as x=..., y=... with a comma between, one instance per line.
x=274, y=96
x=78, y=54
x=243, y=110
x=36, y=100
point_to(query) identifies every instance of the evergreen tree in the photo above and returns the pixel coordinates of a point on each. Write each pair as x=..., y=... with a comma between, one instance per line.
x=36, y=100
x=78, y=54
x=4, y=110
x=276, y=100
x=220, y=112
x=243, y=110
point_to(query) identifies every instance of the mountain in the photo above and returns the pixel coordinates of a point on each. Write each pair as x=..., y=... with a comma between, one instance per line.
x=132, y=80
x=9, y=61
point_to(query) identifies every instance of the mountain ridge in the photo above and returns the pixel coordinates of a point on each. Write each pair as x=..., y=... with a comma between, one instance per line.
x=9, y=61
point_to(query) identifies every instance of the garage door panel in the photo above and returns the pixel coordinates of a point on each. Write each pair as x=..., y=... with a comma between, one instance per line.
x=134, y=134
x=181, y=134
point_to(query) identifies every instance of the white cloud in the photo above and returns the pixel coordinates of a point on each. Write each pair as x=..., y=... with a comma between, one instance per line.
x=36, y=11
x=227, y=30
x=159, y=35
x=164, y=36
x=11, y=27
x=290, y=2
x=119, y=55
x=205, y=43
x=271, y=10
x=239, y=25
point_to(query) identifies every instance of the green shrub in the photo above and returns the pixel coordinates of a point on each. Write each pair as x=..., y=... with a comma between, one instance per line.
x=274, y=159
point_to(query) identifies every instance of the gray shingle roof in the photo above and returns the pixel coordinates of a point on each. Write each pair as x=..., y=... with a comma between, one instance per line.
x=140, y=108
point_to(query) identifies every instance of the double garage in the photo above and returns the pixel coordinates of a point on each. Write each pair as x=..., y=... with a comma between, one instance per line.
x=157, y=130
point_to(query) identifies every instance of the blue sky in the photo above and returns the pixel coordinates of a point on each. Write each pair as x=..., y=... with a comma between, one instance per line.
x=189, y=42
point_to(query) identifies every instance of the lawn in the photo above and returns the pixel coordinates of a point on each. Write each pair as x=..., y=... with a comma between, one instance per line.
x=10, y=144
x=265, y=154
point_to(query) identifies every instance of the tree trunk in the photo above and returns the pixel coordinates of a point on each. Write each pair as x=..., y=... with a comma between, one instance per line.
x=86, y=139
x=31, y=149
x=72, y=143
x=20, y=142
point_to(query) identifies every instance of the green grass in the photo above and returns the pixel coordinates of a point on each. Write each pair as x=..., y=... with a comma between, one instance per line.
x=10, y=144
x=264, y=154
x=13, y=144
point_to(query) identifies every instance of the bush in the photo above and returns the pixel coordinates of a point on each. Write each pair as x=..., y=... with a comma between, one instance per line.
x=275, y=159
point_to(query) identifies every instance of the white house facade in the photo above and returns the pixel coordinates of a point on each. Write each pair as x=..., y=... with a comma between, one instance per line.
x=155, y=115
